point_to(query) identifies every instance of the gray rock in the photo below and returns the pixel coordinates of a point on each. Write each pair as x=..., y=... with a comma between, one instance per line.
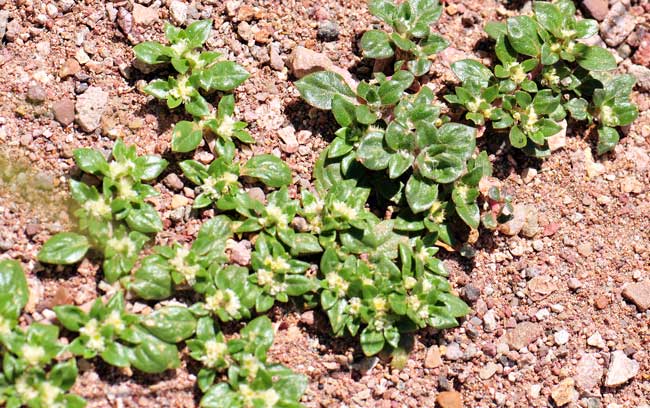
x=63, y=111
x=596, y=8
x=90, y=108
x=173, y=182
x=328, y=31
x=588, y=372
x=36, y=94
x=453, y=352
x=471, y=292
x=618, y=24
x=621, y=369
x=6, y=245
x=178, y=11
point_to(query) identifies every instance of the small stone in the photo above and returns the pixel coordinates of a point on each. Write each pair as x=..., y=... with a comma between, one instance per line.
x=561, y=337
x=245, y=13
x=585, y=249
x=540, y=287
x=564, y=392
x=257, y=193
x=588, y=372
x=488, y=371
x=542, y=314
x=178, y=11
x=6, y=245
x=90, y=108
x=288, y=136
x=621, y=369
x=574, y=284
x=263, y=35
x=173, y=182
x=307, y=318
x=601, y=302
x=531, y=226
x=523, y=334
x=642, y=75
x=275, y=60
x=63, y=111
x=471, y=293
x=432, y=358
x=596, y=340
x=490, y=321
x=240, y=252
x=4, y=20
x=617, y=25
x=304, y=61
x=630, y=184
x=232, y=6
x=144, y=16
x=36, y=94
x=32, y=229
x=449, y=399
x=69, y=68
x=642, y=54
x=558, y=140
x=528, y=174
x=179, y=201
x=453, y=352
x=328, y=31
x=639, y=294
x=514, y=226
x=82, y=57
x=596, y=8
x=245, y=31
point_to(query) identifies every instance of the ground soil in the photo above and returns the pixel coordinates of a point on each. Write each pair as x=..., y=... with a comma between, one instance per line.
x=595, y=220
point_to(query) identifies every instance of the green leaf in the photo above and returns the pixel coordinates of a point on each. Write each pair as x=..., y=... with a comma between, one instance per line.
x=171, y=324
x=13, y=282
x=298, y=284
x=221, y=396
x=152, y=280
x=372, y=342
x=391, y=91
x=198, y=32
x=151, y=52
x=150, y=166
x=607, y=139
x=470, y=214
x=383, y=9
x=586, y=28
x=343, y=110
x=144, y=219
x=269, y=169
x=223, y=76
x=445, y=158
x=158, y=88
x=90, y=161
x=548, y=16
x=433, y=44
x=318, y=89
x=596, y=58
x=371, y=151
x=64, y=248
x=522, y=33
x=420, y=193
x=71, y=317
x=376, y=44
x=154, y=356
x=304, y=244
x=517, y=137
x=116, y=355
x=495, y=29
x=197, y=105
x=186, y=136
x=473, y=70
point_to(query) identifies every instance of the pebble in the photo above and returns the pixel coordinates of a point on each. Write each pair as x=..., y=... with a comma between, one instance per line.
x=4, y=19
x=542, y=314
x=588, y=372
x=240, y=252
x=63, y=111
x=642, y=54
x=6, y=245
x=328, y=31
x=245, y=31
x=639, y=294
x=488, y=371
x=449, y=399
x=514, y=226
x=617, y=25
x=471, y=293
x=596, y=340
x=173, y=182
x=178, y=11
x=288, y=136
x=144, y=16
x=642, y=75
x=490, y=321
x=82, y=57
x=596, y=8
x=601, y=302
x=36, y=94
x=32, y=229
x=621, y=369
x=453, y=352
x=304, y=61
x=528, y=174
x=90, y=108
x=564, y=392
x=561, y=337
x=574, y=284
x=523, y=334
x=432, y=359
x=179, y=201
x=275, y=60
x=69, y=68
x=540, y=287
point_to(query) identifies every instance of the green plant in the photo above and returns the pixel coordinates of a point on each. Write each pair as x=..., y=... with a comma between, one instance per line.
x=411, y=42
x=114, y=221
x=252, y=382
x=30, y=375
x=197, y=71
x=545, y=72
